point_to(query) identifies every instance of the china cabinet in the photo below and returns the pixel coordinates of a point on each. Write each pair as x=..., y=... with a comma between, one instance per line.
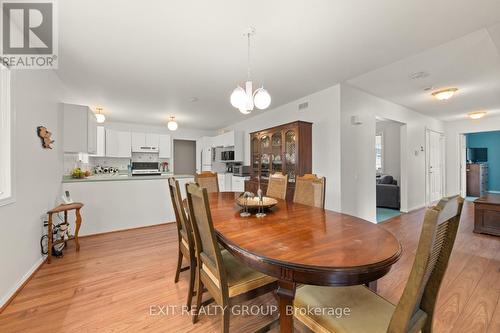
x=286, y=149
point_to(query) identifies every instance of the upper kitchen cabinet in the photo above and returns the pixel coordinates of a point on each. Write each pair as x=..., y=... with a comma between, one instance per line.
x=165, y=146
x=232, y=140
x=145, y=142
x=79, y=129
x=101, y=142
x=118, y=143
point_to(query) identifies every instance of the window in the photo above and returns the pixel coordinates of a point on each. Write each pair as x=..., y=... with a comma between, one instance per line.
x=379, y=153
x=6, y=120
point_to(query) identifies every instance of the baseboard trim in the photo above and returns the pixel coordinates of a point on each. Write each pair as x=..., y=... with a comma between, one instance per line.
x=21, y=283
x=415, y=208
x=122, y=230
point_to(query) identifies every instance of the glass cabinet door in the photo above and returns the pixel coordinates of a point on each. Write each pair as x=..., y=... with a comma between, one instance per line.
x=265, y=156
x=276, y=148
x=255, y=155
x=290, y=154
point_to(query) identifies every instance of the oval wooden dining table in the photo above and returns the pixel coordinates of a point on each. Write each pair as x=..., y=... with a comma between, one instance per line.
x=299, y=244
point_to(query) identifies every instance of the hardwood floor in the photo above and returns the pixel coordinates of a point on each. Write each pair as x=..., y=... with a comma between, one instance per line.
x=116, y=281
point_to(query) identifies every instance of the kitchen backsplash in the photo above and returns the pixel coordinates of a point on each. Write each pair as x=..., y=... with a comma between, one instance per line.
x=72, y=161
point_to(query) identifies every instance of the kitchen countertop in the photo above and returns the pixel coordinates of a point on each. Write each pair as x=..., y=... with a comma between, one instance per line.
x=121, y=177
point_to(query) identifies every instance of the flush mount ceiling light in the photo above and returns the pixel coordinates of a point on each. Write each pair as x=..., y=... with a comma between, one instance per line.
x=477, y=115
x=99, y=116
x=172, y=124
x=444, y=94
x=245, y=99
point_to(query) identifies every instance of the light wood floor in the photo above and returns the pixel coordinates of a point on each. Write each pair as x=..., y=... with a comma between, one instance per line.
x=112, y=283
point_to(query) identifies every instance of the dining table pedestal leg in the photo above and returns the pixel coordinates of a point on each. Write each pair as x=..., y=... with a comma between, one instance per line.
x=286, y=294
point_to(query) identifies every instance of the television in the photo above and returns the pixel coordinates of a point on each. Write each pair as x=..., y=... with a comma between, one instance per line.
x=477, y=155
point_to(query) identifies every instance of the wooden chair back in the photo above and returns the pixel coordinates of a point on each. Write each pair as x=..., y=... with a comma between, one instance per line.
x=184, y=227
x=211, y=269
x=310, y=190
x=276, y=187
x=208, y=180
x=433, y=253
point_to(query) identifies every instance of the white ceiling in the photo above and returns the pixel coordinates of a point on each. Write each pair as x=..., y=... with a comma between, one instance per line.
x=144, y=60
x=470, y=63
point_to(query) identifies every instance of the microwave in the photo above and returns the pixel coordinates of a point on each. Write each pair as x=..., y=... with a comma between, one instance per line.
x=227, y=155
x=241, y=170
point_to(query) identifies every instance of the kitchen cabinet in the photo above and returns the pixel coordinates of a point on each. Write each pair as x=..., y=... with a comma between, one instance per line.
x=79, y=129
x=225, y=182
x=101, y=142
x=118, y=143
x=165, y=146
x=238, y=184
x=145, y=142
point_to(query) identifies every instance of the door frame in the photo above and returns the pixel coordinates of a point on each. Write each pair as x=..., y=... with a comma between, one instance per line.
x=427, y=164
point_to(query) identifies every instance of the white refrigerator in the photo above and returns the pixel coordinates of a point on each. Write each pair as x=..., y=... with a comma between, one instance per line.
x=206, y=159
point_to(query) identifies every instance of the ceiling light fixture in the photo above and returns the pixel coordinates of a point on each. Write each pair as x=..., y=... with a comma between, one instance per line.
x=477, y=115
x=99, y=116
x=444, y=94
x=245, y=99
x=172, y=124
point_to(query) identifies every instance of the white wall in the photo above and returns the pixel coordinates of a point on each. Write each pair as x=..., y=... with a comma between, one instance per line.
x=324, y=113
x=452, y=131
x=358, y=151
x=35, y=97
x=391, y=152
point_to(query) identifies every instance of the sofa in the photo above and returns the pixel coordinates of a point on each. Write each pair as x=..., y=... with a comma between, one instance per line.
x=388, y=195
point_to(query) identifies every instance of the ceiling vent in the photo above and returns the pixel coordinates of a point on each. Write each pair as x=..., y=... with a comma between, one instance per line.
x=303, y=106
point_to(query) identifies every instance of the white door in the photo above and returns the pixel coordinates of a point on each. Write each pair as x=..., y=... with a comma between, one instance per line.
x=435, y=166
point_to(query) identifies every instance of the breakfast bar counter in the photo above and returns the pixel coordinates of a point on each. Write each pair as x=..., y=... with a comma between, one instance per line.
x=120, y=202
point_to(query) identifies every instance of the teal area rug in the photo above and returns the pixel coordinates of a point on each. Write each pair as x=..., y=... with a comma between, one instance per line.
x=470, y=198
x=386, y=213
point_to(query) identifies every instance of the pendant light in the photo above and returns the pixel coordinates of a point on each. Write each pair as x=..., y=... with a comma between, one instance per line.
x=172, y=124
x=245, y=99
x=99, y=116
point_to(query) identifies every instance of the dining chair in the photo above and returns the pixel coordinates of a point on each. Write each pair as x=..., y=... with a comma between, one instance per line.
x=185, y=236
x=370, y=312
x=310, y=190
x=276, y=187
x=226, y=279
x=208, y=180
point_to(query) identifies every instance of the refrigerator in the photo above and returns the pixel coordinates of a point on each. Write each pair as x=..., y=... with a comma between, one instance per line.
x=206, y=159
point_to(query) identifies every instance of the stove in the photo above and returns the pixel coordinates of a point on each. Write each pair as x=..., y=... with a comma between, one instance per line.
x=145, y=169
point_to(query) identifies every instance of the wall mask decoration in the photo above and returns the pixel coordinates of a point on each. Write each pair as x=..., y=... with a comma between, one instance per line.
x=45, y=136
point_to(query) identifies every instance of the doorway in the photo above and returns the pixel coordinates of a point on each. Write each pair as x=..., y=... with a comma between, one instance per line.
x=435, y=168
x=184, y=157
x=388, y=165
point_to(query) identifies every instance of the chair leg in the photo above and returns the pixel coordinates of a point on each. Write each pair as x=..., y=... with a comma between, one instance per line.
x=225, y=318
x=192, y=273
x=199, y=294
x=179, y=264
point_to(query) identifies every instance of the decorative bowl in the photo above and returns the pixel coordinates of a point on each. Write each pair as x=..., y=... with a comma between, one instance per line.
x=253, y=203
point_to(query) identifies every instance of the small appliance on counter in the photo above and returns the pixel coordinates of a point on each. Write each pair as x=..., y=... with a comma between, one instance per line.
x=241, y=170
x=105, y=170
x=145, y=169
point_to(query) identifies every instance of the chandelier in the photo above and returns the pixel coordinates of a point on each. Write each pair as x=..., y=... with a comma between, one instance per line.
x=245, y=99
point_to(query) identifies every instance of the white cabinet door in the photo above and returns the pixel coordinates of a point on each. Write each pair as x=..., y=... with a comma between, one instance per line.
x=238, y=184
x=152, y=140
x=222, y=182
x=228, y=139
x=138, y=141
x=118, y=144
x=228, y=179
x=78, y=129
x=165, y=146
x=101, y=142
x=91, y=132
